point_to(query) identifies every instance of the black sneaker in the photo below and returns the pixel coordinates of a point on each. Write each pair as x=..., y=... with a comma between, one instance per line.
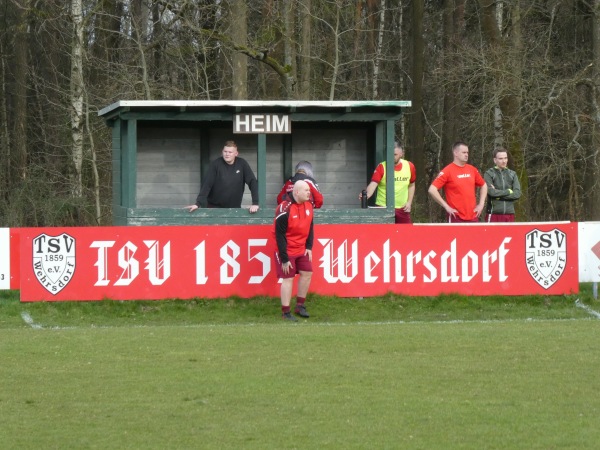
x=301, y=311
x=288, y=316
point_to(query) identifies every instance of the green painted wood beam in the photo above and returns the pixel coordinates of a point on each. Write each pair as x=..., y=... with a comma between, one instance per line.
x=287, y=160
x=380, y=154
x=344, y=117
x=241, y=216
x=116, y=161
x=261, y=162
x=228, y=116
x=204, y=153
x=128, y=164
x=179, y=116
x=389, y=143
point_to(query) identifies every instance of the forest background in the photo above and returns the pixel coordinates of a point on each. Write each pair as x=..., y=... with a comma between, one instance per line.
x=522, y=74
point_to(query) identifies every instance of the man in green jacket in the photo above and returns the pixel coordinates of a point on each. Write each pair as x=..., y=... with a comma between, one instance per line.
x=503, y=189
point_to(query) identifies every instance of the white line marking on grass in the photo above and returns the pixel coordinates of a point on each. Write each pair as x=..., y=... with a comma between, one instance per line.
x=596, y=314
x=346, y=324
x=450, y=322
x=29, y=320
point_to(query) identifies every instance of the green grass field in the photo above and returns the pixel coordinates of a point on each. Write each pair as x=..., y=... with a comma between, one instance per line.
x=388, y=372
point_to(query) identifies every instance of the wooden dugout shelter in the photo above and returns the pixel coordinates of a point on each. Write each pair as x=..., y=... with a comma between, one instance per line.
x=161, y=149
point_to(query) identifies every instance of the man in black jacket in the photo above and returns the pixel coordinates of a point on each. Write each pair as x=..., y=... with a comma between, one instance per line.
x=225, y=182
x=503, y=189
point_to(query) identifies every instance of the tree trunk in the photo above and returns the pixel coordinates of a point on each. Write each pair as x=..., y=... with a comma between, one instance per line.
x=76, y=96
x=94, y=161
x=336, y=51
x=506, y=56
x=4, y=133
x=417, y=137
x=139, y=25
x=239, y=32
x=305, y=59
x=378, y=51
x=357, y=45
x=289, y=58
x=592, y=182
x=21, y=76
x=498, y=136
x=454, y=18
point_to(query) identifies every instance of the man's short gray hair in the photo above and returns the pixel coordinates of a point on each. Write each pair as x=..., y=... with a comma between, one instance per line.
x=305, y=167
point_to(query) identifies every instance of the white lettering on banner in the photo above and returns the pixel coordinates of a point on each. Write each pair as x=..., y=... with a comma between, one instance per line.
x=449, y=256
x=371, y=261
x=339, y=261
x=546, y=255
x=102, y=261
x=410, y=261
x=343, y=261
x=432, y=269
x=130, y=265
x=201, y=277
x=470, y=266
x=387, y=256
x=157, y=266
x=447, y=268
x=53, y=261
x=487, y=277
x=229, y=254
x=386, y=263
x=159, y=269
x=260, y=256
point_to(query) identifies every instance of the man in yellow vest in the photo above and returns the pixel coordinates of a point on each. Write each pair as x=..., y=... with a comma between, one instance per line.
x=404, y=185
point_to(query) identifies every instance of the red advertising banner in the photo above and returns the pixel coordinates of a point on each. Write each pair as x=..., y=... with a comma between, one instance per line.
x=135, y=263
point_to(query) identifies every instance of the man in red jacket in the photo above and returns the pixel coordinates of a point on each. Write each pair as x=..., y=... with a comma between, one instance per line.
x=303, y=172
x=293, y=229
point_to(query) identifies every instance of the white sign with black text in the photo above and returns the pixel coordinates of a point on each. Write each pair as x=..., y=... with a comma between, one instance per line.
x=4, y=258
x=589, y=252
x=261, y=124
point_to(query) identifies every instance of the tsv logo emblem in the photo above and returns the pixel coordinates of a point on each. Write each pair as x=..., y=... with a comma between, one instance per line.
x=546, y=255
x=54, y=261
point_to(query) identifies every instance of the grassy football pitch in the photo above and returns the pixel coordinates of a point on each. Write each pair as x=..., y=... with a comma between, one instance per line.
x=433, y=373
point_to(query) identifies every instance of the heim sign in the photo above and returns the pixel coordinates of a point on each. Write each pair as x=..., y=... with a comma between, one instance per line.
x=262, y=124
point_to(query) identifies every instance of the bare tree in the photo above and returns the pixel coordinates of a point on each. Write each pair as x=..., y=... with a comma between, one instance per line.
x=454, y=27
x=417, y=134
x=335, y=49
x=76, y=95
x=592, y=182
x=4, y=132
x=509, y=85
x=304, y=57
x=20, y=76
x=139, y=33
x=521, y=73
x=239, y=30
x=378, y=50
x=289, y=59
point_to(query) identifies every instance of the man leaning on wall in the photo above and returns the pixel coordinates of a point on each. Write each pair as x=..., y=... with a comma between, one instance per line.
x=225, y=182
